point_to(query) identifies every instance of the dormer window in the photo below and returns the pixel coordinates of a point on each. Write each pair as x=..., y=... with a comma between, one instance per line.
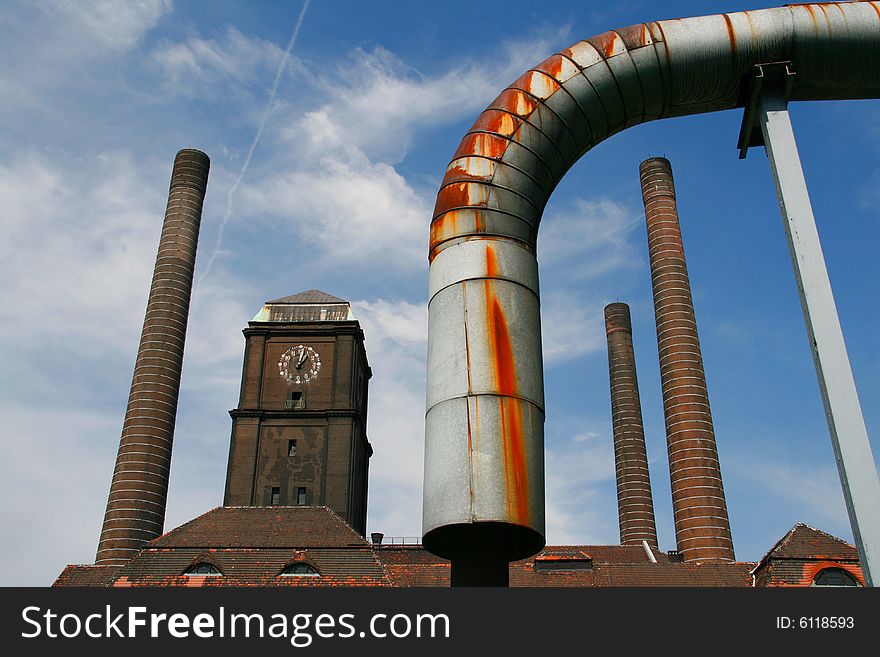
x=299, y=569
x=834, y=577
x=202, y=568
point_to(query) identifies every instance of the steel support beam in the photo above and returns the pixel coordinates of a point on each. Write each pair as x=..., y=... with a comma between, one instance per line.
x=849, y=438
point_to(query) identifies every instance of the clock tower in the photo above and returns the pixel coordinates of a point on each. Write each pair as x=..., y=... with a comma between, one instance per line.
x=299, y=433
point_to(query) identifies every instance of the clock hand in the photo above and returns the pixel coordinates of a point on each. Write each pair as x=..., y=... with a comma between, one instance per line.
x=303, y=357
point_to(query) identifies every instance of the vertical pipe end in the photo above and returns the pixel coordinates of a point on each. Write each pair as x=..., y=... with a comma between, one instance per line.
x=190, y=170
x=655, y=174
x=617, y=317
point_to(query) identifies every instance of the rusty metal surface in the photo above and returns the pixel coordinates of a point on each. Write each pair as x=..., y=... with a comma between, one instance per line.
x=537, y=129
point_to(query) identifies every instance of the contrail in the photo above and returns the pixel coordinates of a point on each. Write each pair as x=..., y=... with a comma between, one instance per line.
x=247, y=160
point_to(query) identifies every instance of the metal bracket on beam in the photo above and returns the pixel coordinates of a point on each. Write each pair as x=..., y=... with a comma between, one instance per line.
x=775, y=78
x=766, y=122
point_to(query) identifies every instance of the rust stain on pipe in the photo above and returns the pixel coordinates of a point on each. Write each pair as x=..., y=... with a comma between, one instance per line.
x=482, y=143
x=497, y=121
x=516, y=102
x=501, y=351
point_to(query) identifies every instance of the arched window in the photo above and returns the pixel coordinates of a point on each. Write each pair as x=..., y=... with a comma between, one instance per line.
x=299, y=569
x=202, y=568
x=834, y=577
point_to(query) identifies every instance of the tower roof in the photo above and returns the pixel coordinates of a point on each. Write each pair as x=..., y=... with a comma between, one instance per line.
x=309, y=297
x=308, y=306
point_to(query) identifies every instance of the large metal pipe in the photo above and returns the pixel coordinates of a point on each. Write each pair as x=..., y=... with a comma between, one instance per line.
x=485, y=412
x=635, y=505
x=702, y=526
x=136, y=504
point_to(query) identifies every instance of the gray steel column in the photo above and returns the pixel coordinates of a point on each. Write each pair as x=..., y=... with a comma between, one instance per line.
x=852, y=450
x=136, y=504
x=635, y=505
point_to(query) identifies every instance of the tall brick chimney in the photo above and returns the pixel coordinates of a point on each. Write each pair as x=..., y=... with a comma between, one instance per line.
x=635, y=505
x=136, y=504
x=702, y=528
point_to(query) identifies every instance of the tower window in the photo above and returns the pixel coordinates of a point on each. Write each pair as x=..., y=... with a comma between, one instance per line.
x=275, y=496
x=295, y=401
x=301, y=496
x=291, y=448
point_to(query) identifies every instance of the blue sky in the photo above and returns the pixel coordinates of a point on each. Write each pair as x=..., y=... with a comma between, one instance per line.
x=99, y=96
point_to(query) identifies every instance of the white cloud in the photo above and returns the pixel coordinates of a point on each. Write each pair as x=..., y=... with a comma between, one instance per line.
x=208, y=68
x=814, y=490
x=396, y=342
x=78, y=243
x=375, y=101
x=55, y=476
x=589, y=238
x=384, y=220
x=109, y=23
x=581, y=503
x=570, y=327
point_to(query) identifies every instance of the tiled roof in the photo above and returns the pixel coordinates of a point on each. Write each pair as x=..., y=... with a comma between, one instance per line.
x=413, y=565
x=805, y=542
x=263, y=527
x=342, y=566
x=801, y=554
x=612, y=565
x=309, y=296
x=86, y=575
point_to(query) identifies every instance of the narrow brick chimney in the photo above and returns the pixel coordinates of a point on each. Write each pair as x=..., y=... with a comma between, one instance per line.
x=136, y=504
x=634, y=502
x=702, y=528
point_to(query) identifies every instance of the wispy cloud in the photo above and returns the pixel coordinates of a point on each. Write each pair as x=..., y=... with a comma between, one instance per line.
x=385, y=220
x=813, y=490
x=396, y=342
x=230, y=194
x=570, y=327
x=62, y=217
x=209, y=67
x=119, y=26
x=581, y=502
x=590, y=237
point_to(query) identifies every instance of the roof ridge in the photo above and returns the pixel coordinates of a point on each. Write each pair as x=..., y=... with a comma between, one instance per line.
x=186, y=524
x=307, y=297
x=824, y=533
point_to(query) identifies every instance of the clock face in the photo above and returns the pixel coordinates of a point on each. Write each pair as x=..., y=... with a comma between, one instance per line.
x=299, y=364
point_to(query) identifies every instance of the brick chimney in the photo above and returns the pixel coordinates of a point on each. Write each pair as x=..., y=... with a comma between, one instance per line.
x=136, y=504
x=634, y=503
x=702, y=528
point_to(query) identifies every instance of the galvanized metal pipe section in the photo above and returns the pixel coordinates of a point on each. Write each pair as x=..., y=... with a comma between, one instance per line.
x=484, y=423
x=635, y=505
x=136, y=504
x=702, y=526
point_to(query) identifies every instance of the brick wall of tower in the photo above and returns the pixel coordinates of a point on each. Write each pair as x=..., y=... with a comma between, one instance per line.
x=136, y=504
x=702, y=527
x=634, y=502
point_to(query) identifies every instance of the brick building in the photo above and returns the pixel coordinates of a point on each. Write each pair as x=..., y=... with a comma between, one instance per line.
x=295, y=503
x=295, y=507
